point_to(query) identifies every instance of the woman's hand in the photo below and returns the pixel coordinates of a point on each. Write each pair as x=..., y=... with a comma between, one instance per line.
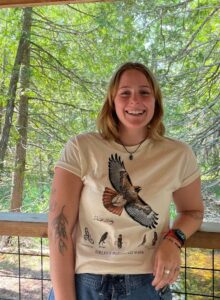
x=190, y=211
x=167, y=263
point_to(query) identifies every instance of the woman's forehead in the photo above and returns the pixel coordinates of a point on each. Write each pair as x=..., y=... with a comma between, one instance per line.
x=133, y=77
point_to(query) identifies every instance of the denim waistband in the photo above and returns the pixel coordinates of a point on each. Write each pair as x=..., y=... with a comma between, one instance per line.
x=124, y=284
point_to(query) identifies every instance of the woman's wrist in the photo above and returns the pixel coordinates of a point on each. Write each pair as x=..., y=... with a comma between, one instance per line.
x=177, y=235
x=173, y=241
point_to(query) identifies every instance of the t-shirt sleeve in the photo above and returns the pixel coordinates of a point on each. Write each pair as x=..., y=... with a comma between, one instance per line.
x=70, y=158
x=190, y=169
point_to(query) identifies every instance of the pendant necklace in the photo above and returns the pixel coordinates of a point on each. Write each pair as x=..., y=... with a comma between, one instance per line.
x=131, y=153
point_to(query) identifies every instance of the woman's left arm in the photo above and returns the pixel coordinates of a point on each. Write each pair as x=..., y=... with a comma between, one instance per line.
x=190, y=210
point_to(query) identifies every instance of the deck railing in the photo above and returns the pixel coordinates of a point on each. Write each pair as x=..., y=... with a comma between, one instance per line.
x=200, y=270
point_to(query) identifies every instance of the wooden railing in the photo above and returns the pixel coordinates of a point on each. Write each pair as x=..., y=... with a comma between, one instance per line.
x=23, y=224
x=35, y=225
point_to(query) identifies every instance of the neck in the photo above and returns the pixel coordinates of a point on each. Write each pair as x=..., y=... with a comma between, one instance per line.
x=131, y=137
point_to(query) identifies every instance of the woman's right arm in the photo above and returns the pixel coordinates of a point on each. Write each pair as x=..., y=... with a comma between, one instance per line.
x=63, y=214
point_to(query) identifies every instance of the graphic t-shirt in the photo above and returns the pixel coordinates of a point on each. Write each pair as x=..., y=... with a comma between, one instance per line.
x=124, y=204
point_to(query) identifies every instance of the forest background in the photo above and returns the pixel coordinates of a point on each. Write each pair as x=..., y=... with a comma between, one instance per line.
x=56, y=61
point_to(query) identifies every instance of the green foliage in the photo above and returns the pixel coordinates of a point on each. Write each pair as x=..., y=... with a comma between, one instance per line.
x=75, y=49
x=199, y=273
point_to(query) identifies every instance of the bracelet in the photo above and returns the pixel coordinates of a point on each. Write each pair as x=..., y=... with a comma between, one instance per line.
x=171, y=240
x=177, y=234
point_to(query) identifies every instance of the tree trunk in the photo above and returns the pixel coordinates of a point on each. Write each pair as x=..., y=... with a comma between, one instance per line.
x=24, y=40
x=22, y=123
x=2, y=89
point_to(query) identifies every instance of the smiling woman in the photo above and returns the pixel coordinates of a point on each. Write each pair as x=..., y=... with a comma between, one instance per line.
x=14, y=3
x=127, y=173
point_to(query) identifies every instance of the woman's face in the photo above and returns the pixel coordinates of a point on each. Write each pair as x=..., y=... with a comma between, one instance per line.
x=134, y=101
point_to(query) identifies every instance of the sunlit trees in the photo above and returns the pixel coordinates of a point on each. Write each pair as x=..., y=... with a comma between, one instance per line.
x=73, y=51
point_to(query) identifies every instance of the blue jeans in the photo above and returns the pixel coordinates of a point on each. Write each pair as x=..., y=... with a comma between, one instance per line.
x=115, y=287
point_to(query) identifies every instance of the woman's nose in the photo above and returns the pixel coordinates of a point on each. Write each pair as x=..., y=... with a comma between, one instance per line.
x=134, y=98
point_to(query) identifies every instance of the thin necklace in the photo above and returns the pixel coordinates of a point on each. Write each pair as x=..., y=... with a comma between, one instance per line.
x=132, y=152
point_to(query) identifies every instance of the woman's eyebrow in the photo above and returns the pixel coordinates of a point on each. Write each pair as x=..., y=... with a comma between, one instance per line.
x=145, y=86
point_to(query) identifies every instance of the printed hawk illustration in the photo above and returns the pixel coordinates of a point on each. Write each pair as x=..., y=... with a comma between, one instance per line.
x=126, y=195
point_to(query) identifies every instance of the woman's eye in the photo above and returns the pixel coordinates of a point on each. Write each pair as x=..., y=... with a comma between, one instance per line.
x=145, y=93
x=125, y=93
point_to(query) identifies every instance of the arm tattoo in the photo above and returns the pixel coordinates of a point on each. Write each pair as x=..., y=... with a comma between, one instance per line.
x=197, y=215
x=59, y=224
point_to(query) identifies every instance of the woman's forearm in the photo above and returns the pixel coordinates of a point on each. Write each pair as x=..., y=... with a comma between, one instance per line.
x=62, y=269
x=188, y=221
x=63, y=214
x=62, y=266
x=190, y=208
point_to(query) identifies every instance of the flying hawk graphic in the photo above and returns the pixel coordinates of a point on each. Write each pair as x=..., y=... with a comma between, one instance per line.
x=126, y=195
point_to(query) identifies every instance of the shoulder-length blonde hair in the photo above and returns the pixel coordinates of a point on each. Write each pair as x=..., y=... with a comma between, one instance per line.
x=107, y=121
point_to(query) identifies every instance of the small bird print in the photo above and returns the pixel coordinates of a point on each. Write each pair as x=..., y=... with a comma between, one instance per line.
x=103, y=239
x=119, y=242
x=87, y=236
x=125, y=196
x=154, y=239
x=143, y=241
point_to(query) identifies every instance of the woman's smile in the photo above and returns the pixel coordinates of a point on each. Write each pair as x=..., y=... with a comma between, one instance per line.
x=135, y=112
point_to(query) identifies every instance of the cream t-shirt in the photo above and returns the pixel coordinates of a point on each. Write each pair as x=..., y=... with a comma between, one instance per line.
x=124, y=204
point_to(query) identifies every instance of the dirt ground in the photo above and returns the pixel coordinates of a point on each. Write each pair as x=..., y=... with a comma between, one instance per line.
x=33, y=267
x=30, y=289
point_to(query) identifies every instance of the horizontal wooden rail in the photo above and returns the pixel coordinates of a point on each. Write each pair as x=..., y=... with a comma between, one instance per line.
x=23, y=224
x=35, y=225
x=23, y=3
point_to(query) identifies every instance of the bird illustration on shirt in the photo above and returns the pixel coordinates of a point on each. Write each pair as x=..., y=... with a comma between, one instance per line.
x=103, y=238
x=125, y=196
x=154, y=239
x=143, y=241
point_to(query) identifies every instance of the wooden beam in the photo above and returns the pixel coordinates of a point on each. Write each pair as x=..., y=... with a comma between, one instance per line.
x=35, y=225
x=23, y=224
x=23, y=229
x=205, y=240
x=24, y=3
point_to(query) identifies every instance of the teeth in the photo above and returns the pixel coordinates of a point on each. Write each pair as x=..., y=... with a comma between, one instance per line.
x=136, y=112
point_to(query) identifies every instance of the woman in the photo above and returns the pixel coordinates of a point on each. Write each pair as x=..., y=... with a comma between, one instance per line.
x=113, y=190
